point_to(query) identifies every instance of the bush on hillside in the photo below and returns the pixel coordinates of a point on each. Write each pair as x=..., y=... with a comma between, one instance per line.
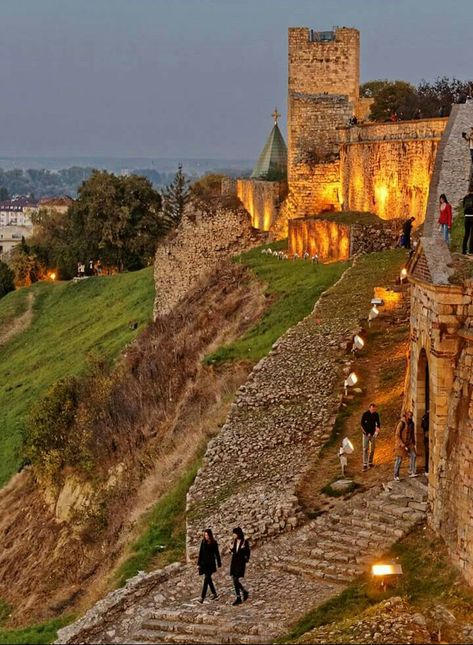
x=7, y=276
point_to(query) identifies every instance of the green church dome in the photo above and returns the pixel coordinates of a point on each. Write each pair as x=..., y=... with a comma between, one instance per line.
x=272, y=162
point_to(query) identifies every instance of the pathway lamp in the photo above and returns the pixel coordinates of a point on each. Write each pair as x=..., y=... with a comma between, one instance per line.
x=358, y=343
x=403, y=275
x=386, y=572
x=350, y=381
x=374, y=313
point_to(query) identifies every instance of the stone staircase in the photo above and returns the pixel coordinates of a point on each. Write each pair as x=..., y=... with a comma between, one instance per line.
x=308, y=566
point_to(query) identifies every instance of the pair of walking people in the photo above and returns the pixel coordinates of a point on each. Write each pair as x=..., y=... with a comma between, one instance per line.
x=209, y=559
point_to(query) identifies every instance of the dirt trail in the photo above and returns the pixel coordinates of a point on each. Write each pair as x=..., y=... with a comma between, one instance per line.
x=381, y=366
x=19, y=324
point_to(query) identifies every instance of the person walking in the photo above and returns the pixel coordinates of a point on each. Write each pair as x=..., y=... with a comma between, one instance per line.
x=468, y=223
x=469, y=139
x=406, y=233
x=240, y=555
x=370, y=425
x=405, y=445
x=424, y=424
x=209, y=560
x=445, y=217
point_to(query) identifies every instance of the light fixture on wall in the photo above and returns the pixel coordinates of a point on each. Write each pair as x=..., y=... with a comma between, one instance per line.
x=350, y=381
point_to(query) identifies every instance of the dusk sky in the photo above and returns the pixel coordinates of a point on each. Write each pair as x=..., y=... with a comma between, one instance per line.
x=191, y=78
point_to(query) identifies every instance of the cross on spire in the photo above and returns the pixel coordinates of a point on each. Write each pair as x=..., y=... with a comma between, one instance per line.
x=275, y=115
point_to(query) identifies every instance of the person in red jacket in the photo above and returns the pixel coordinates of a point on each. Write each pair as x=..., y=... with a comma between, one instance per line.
x=445, y=218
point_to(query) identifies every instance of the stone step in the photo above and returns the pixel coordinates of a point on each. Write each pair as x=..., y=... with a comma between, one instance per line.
x=198, y=616
x=156, y=636
x=203, y=629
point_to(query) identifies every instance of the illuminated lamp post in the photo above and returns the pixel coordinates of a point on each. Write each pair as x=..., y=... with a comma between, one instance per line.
x=403, y=275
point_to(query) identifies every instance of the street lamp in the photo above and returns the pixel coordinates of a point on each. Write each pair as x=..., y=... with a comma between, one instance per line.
x=350, y=381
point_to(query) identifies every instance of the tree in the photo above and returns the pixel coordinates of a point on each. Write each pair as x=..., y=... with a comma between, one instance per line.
x=393, y=97
x=26, y=264
x=115, y=219
x=175, y=198
x=7, y=276
x=436, y=98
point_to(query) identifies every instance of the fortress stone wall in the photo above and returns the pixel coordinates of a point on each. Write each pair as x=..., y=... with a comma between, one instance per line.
x=195, y=248
x=262, y=199
x=333, y=241
x=383, y=168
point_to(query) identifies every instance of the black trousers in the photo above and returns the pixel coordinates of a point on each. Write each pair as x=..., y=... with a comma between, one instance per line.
x=471, y=153
x=238, y=586
x=208, y=583
x=468, y=234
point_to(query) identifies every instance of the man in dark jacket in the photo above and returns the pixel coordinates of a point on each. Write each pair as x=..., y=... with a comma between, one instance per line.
x=370, y=425
x=240, y=555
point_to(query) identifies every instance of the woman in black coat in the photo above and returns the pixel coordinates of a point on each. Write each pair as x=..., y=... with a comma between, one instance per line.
x=240, y=555
x=209, y=559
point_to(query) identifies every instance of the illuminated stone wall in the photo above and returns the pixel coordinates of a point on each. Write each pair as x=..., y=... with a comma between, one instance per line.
x=386, y=168
x=333, y=241
x=261, y=199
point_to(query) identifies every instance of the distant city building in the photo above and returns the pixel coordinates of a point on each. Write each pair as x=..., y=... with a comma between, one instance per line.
x=16, y=217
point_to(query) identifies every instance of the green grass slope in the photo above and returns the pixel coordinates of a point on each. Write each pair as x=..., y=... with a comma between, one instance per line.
x=293, y=287
x=70, y=320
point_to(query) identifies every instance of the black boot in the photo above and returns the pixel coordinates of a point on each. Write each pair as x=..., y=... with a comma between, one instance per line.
x=237, y=601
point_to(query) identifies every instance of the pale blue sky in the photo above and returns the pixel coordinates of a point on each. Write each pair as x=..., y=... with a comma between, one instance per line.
x=191, y=78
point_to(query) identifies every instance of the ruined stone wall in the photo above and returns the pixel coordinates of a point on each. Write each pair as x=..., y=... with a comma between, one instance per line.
x=386, y=168
x=333, y=241
x=195, y=248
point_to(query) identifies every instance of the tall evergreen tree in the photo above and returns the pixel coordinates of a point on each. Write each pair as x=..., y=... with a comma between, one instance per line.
x=175, y=198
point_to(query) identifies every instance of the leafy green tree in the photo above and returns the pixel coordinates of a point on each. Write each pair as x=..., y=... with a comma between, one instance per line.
x=394, y=97
x=7, y=276
x=175, y=198
x=25, y=263
x=436, y=97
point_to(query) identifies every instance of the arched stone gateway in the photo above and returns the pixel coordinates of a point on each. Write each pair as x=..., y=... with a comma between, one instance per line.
x=441, y=380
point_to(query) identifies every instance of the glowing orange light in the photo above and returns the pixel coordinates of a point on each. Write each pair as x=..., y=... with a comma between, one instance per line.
x=386, y=569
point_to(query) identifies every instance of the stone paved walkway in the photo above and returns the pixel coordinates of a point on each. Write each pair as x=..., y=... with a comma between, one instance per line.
x=286, y=578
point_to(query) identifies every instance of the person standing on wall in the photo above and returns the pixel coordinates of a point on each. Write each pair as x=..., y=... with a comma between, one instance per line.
x=406, y=232
x=424, y=424
x=469, y=139
x=405, y=445
x=445, y=217
x=209, y=560
x=240, y=555
x=370, y=425
x=468, y=223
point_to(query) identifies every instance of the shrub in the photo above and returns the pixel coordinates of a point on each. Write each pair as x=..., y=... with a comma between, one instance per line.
x=7, y=283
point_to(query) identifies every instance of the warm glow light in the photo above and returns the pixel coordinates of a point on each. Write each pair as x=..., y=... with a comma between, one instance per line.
x=53, y=276
x=404, y=272
x=386, y=569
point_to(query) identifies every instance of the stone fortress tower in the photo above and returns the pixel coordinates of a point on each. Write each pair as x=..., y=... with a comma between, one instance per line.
x=323, y=91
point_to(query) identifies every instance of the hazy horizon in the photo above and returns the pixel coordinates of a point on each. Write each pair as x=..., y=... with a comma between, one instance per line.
x=190, y=79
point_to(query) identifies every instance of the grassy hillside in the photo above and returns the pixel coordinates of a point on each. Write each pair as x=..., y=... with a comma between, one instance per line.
x=70, y=320
x=293, y=289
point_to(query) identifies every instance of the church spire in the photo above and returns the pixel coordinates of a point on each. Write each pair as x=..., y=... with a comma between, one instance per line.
x=272, y=162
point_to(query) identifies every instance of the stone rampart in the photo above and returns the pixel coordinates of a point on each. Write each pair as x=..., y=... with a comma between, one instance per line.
x=332, y=241
x=262, y=199
x=386, y=168
x=195, y=248
x=452, y=170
